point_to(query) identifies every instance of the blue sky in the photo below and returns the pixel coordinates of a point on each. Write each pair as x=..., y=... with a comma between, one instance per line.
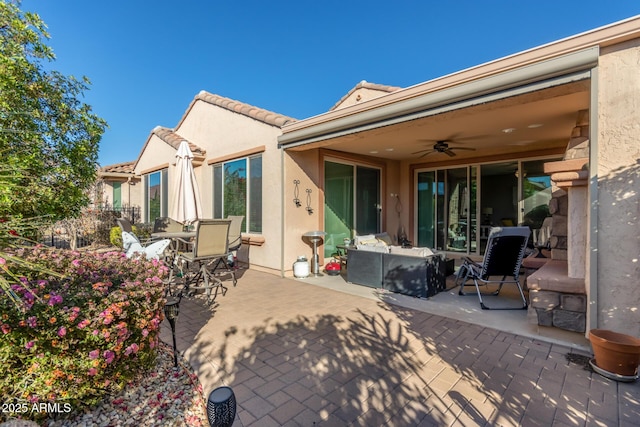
x=148, y=59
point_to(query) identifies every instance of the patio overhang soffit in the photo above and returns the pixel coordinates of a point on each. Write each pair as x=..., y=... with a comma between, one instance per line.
x=407, y=118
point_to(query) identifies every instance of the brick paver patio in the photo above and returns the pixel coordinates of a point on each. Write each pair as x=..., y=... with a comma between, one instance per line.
x=302, y=355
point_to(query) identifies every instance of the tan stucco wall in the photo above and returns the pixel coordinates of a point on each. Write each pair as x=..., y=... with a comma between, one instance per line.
x=156, y=152
x=223, y=133
x=307, y=167
x=618, y=235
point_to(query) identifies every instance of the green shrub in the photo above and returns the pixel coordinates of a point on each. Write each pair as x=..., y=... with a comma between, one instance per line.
x=79, y=338
x=115, y=235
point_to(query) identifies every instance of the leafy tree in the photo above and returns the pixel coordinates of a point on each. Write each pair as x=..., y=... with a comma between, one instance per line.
x=48, y=137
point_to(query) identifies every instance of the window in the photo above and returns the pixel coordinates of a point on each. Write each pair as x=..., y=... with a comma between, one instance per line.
x=234, y=194
x=155, y=195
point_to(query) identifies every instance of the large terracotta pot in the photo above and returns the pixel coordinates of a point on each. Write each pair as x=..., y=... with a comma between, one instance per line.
x=614, y=352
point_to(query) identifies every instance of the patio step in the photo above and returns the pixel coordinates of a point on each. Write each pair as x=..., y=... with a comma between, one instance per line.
x=556, y=299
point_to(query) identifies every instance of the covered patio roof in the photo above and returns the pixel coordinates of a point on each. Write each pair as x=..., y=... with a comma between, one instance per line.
x=527, y=102
x=541, y=120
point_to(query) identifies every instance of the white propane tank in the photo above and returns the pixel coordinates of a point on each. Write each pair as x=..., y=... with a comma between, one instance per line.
x=301, y=267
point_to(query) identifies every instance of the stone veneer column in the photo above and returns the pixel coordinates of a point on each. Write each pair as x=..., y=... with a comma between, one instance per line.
x=577, y=232
x=571, y=175
x=557, y=290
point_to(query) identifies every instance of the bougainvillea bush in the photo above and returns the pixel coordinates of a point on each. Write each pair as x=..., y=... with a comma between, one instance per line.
x=77, y=338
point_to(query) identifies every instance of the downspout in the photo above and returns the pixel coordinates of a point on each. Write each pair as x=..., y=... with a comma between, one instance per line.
x=129, y=191
x=593, y=198
x=282, y=212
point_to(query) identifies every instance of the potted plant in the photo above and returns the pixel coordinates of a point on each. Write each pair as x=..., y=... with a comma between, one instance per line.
x=615, y=353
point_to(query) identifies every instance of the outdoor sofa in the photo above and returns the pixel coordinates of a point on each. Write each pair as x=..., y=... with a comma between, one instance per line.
x=372, y=261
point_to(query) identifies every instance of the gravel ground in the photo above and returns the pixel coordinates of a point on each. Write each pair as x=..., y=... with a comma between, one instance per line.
x=164, y=397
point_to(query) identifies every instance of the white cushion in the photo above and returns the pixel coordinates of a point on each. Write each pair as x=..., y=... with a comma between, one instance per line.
x=414, y=252
x=373, y=248
x=367, y=239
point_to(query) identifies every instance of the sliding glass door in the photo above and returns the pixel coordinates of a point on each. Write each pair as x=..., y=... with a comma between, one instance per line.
x=352, y=202
x=456, y=207
x=446, y=202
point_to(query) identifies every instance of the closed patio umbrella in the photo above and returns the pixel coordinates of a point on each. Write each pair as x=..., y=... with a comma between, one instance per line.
x=186, y=207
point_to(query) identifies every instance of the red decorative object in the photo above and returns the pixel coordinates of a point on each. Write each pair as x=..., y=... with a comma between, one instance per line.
x=332, y=268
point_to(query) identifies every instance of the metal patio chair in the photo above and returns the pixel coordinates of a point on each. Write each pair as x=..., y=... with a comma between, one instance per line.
x=124, y=225
x=200, y=268
x=166, y=225
x=503, y=257
x=235, y=230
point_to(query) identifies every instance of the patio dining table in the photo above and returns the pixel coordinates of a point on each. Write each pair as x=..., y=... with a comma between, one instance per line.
x=176, y=238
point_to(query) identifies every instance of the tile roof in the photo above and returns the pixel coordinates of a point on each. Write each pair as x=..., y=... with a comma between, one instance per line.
x=255, y=113
x=366, y=85
x=174, y=140
x=124, y=167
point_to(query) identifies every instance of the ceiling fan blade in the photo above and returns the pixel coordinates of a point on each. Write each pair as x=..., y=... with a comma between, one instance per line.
x=449, y=153
x=428, y=152
x=463, y=148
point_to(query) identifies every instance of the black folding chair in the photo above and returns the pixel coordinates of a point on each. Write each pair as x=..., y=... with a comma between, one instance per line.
x=503, y=257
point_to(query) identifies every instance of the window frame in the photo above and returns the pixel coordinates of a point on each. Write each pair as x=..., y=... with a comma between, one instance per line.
x=218, y=175
x=164, y=193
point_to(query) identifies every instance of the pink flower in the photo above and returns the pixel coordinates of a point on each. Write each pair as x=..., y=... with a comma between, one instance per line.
x=92, y=372
x=133, y=348
x=76, y=262
x=75, y=311
x=84, y=324
x=62, y=331
x=29, y=345
x=109, y=356
x=94, y=354
x=5, y=328
x=2, y=261
x=32, y=321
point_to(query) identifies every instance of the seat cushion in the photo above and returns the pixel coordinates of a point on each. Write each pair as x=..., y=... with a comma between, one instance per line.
x=413, y=252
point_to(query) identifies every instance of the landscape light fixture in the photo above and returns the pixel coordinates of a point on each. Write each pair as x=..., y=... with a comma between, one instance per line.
x=171, y=311
x=221, y=407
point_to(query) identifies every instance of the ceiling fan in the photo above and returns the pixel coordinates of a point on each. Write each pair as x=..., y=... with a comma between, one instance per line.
x=442, y=147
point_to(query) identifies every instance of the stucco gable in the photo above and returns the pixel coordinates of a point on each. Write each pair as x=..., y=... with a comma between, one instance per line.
x=363, y=91
x=256, y=113
x=174, y=140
